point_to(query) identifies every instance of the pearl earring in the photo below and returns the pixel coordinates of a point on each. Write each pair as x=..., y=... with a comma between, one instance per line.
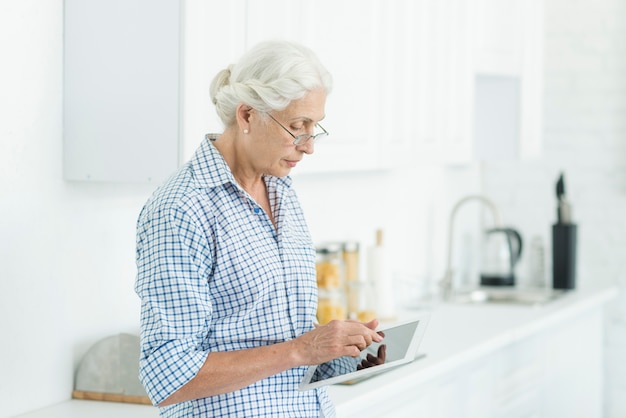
x=245, y=131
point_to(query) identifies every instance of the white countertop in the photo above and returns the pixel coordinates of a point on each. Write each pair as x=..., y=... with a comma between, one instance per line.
x=76, y=408
x=456, y=335
x=460, y=333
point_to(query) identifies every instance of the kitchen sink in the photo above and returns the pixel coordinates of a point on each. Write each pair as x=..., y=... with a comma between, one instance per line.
x=511, y=296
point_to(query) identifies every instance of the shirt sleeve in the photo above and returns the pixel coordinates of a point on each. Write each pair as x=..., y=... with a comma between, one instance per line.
x=334, y=368
x=176, y=311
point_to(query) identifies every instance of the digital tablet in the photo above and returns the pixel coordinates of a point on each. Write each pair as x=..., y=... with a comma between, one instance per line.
x=401, y=342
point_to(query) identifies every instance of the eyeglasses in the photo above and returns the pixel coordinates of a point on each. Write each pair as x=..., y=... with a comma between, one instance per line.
x=304, y=138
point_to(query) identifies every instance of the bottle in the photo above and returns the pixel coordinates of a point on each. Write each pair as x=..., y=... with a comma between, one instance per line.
x=563, y=243
x=537, y=263
x=379, y=275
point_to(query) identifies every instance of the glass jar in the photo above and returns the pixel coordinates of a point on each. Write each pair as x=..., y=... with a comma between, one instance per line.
x=330, y=273
x=329, y=267
x=330, y=306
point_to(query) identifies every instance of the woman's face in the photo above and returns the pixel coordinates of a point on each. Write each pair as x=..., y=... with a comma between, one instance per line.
x=272, y=147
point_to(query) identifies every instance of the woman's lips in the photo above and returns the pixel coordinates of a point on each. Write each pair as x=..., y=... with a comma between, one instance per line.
x=292, y=163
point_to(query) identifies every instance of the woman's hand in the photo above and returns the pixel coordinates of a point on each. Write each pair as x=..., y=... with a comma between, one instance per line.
x=371, y=360
x=335, y=339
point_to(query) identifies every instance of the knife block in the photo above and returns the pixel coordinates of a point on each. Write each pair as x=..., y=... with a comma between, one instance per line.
x=564, y=256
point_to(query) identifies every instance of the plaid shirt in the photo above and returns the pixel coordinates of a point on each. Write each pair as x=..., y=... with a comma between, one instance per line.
x=214, y=274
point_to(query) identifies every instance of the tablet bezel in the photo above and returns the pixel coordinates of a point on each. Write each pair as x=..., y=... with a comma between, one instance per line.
x=410, y=355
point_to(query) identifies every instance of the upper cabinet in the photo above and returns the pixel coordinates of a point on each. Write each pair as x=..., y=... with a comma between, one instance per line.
x=462, y=80
x=346, y=36
x=508, y=50
x=214, y=36
x=121, y=90
x=427, y=77
x=427, y=81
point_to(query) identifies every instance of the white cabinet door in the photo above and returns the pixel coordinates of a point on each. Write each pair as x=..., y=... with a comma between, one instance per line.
x=508, y=42
x=574, y=359
x=426, y=82
x=446, y=80
x=214, y=37
x=499, y=29
x=121, y=90
x=274, y=19
x=532, y=81
x=401, y=95
x=433, y=53
x=345, y=36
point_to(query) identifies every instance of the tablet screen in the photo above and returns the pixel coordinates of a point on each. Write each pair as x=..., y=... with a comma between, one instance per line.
x=399, y=346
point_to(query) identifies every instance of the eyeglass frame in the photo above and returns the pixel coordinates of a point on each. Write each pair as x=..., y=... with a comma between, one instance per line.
x=304, y=138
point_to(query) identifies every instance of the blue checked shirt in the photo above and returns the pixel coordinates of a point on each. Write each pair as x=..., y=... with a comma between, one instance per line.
x=214, y=274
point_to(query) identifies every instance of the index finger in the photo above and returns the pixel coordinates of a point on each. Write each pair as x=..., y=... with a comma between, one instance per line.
x=366, y=330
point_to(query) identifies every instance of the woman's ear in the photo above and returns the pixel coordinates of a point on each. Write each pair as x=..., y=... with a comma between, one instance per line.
x=244, y=115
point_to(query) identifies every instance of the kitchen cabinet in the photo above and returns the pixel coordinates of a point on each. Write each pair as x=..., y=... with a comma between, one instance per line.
x=76, y=408
x=426, y=82
x=496, y=361
x=405, y=78
x=346, y=36
x=136, y=83
x=214, y=36
x=508, y=42
x=121, y=90
x=344, y=45
x=438, y=58
x=402, y=77
x=537, y=376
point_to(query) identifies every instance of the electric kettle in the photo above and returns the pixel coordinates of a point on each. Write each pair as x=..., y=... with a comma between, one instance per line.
x=502, y=251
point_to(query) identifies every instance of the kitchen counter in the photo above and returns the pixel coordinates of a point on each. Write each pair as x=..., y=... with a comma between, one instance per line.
x=76, y=408
x=487, y=341
x=480, y=360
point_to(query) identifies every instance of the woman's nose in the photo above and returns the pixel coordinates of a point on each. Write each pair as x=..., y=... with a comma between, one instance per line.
x=308, y=147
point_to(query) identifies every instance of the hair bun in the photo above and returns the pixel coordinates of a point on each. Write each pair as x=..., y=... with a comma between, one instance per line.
x=221, y=80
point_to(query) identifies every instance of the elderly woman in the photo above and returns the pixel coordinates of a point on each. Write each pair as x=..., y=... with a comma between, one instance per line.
x=226, y=265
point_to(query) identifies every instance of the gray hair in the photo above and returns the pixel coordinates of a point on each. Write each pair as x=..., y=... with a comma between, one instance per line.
x=268, y=77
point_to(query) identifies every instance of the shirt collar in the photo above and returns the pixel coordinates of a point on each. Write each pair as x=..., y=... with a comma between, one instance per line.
x=210, y=168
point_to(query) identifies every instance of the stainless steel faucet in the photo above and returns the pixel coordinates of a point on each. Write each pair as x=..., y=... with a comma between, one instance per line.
x=446, y=282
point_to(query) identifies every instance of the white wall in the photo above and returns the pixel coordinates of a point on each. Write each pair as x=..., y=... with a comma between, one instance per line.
x=584, y=135
x=67, y=249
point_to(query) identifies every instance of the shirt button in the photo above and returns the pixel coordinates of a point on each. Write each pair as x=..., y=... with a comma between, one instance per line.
x=257, y=210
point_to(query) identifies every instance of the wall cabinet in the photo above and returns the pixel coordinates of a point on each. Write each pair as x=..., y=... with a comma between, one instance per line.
x=346, y=37
x=402, y=77
x=121, y=90
x=214, y=36
x=508, y=42
x=405, y=77
x=426, y=81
